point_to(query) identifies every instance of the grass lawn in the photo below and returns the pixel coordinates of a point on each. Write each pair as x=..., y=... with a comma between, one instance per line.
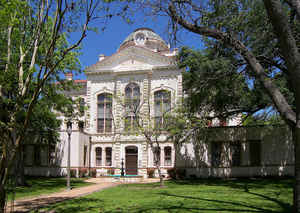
x=45, y=185
x=212, y=196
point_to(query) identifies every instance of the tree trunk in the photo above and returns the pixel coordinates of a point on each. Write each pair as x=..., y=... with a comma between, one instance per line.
x=296, y=139
x=2, y=198
x=156, y=156
x=20, y=176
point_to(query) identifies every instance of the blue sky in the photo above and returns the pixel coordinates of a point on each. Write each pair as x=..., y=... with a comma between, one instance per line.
x=117, y=30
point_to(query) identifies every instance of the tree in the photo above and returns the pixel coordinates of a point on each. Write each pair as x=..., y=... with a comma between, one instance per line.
x=140, y=119
x=226, y=21
x=35, y=52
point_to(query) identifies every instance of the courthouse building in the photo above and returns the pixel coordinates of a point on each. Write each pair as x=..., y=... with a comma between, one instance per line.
x=143, y=73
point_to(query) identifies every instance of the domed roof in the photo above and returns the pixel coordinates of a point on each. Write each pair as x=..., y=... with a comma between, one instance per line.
x=145, y=37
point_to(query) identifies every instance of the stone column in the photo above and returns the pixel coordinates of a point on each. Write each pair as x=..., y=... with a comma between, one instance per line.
x=88, y=103
x=103, y=156
x=118, y=106
x=117, y=150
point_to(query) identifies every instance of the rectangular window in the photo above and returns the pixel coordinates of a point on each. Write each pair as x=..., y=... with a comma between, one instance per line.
x=255, y=153
x=235, y=149
x=216, y=154
x=37, y=155
x=108, y=154
x=98, y=156
x=168, y=156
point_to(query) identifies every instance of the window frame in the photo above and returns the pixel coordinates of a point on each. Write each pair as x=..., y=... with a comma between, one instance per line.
x=167, y=158
x=164, y=98
x=98, y=158
x=107, y=100
x=132, y=99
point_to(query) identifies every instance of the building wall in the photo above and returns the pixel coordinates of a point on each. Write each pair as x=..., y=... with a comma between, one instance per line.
x=275, y=153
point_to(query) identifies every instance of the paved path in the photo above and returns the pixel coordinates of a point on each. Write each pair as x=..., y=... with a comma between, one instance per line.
x=28, y=204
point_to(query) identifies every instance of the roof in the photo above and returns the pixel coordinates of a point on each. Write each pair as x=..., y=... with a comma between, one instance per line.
x=151, y=40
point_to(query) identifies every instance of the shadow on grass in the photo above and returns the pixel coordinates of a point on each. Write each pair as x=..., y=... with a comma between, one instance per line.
x=286, y=208
x=239, y=183
x=77, y=205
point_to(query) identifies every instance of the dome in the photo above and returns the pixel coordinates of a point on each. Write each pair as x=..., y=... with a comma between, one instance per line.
x=147, y=38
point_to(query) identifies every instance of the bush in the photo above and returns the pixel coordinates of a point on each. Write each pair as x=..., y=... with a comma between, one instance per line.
x=150, y=173
x=73, y=173
x=172, y=173
x=175, y=173
x=82, y=172
x=111, y=171
x=93, y=173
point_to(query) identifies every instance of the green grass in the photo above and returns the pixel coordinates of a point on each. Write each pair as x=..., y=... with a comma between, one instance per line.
x=44, y=185
x=212, y=196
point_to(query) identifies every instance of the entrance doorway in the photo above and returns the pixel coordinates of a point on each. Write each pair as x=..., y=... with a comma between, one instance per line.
x=131, y=160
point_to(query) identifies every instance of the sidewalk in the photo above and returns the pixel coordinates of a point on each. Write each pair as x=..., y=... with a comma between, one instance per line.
x=28, y=204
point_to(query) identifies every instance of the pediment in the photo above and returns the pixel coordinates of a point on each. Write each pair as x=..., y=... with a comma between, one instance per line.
x=131, y=58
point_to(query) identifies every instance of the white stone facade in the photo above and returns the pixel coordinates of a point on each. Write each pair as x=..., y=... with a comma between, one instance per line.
x=145, y=60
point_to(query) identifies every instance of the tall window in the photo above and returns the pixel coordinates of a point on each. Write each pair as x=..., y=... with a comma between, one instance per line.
x=255, y=153
x=168, y=156
x=132, y=101
x=235, y=148
x=108, y=156
x=104, y=113
x=98, y=156
x=162, y=104
x=216, y=154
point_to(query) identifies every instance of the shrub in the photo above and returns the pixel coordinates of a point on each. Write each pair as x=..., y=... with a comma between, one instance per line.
x=73, y=173
x=180, y=173
x=172, y=173
x=176, y=173
x=82, y=172
x=111, y=171
x=150, y=173
x=93, y=173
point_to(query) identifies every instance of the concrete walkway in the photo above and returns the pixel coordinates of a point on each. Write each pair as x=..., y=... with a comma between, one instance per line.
x=28, y=204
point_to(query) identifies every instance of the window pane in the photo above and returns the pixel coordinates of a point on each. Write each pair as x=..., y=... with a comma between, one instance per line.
x=216, y=153
x=235, y=149
x=108, y=125
x=100, y=110
x=108, y=154
x=108, y=98
x=98, y=156
x=158, y=122
x=255, y=150
x=136, y=92
x=157, y=108
x=100, y=125
x=168, y=158
x=101, y=98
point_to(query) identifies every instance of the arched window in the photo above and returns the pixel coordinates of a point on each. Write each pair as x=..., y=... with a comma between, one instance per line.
x=162, y=104
x=168, y=155
x=132, y=101
x=98, y=151
x=104, y=122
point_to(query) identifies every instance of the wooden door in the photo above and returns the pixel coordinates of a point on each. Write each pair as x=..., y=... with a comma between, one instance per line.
x=131, y=163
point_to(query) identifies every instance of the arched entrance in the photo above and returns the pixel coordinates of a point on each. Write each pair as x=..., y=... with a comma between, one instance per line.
x=131, y=160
